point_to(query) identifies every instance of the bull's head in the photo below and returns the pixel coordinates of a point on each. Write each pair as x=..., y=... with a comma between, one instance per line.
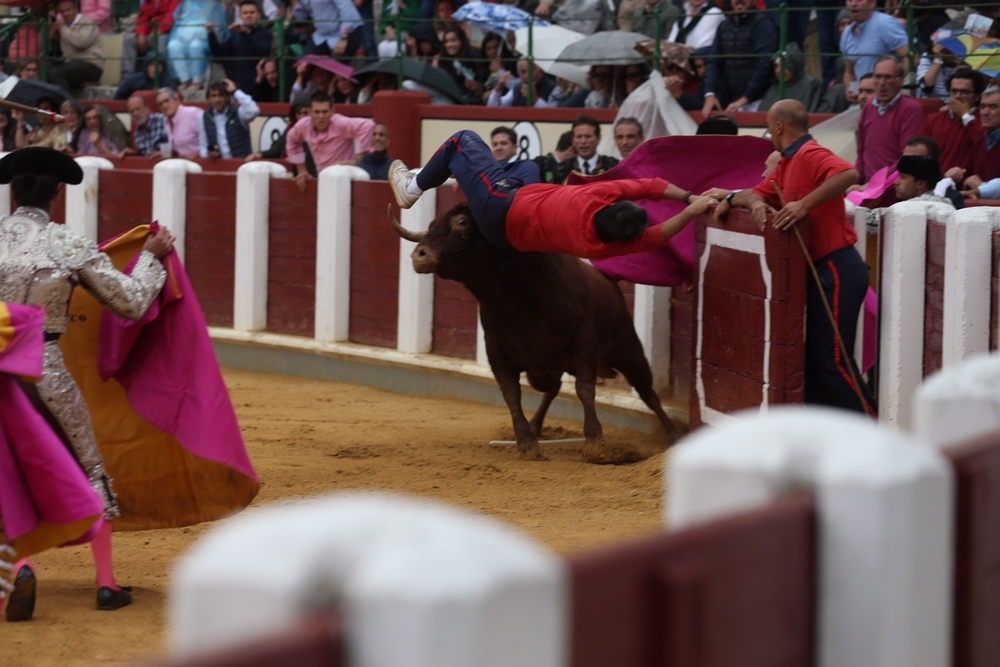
x=452, y=247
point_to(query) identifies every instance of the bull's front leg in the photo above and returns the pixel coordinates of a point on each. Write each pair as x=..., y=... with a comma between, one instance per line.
x=509, y=379
x=596, y=449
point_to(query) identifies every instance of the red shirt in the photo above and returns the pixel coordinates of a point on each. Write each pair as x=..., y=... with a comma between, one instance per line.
x=955, y=139
x=560, y=218
x=799, y=175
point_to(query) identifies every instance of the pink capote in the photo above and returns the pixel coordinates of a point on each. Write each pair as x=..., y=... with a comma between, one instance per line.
x=877, y=186
x=691, y=163
x=166, y=363
x=40, y=481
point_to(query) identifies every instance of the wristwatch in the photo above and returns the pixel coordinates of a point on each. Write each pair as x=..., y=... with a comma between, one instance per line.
x=731, y=196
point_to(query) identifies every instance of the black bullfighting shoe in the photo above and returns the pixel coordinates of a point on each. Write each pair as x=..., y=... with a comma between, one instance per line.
x=108, y=599
x=399, y=178
x=21, y=601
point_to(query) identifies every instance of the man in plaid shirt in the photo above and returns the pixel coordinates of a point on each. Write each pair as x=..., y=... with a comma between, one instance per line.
x=149, y=128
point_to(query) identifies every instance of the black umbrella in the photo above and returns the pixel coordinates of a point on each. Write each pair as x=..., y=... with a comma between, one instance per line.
x=33, y=91
x=419, y=71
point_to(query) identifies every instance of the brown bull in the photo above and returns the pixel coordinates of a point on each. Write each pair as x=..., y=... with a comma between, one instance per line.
x=543, y=314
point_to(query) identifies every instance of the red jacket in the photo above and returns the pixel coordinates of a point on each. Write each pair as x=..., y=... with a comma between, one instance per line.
x=560, y=218
x=161, y=11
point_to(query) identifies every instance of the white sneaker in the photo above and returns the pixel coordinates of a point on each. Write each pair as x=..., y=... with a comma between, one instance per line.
x=399, y=178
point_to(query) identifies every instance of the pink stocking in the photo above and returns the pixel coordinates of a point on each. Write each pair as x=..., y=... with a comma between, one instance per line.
x=21, y=563
x=101, y=546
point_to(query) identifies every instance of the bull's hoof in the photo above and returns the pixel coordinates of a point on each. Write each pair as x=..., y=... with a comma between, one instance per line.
x=533, y=455
x=601, y=453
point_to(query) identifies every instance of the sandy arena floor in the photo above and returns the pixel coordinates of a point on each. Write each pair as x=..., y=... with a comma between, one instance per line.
x=308, y=437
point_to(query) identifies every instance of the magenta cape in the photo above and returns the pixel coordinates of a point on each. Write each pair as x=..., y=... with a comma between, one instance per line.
x=161, y=411
x=692, y=163
x=45, y=499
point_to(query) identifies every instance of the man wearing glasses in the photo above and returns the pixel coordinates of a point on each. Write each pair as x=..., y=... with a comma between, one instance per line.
x=888, y=122
x=955, y=128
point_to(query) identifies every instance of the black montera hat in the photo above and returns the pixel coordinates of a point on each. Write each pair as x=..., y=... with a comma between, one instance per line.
x=920, y=167
x=42, y=162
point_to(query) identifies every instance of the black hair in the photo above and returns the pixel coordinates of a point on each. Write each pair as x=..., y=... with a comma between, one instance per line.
x=933, y=149
x=587, y=120
x=219, y=87
x=36, y=190
x=870, y=75
x=250, y=2
x=978, y=84
x=503, y=129
x=622, y=221
x=565, y=141
x=320, y=98
x=721, y=124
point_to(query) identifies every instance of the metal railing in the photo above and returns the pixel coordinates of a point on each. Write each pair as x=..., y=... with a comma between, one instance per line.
x=284, y=54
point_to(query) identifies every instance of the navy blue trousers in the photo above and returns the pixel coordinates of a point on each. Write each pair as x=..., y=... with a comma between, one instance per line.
x=844, y=276
x=488, y=185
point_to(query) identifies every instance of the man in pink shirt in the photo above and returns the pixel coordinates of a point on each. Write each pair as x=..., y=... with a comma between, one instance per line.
x=182, y=123
x=331, y=138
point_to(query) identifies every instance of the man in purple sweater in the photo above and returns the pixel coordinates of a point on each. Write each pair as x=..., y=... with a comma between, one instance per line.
x=888, y=122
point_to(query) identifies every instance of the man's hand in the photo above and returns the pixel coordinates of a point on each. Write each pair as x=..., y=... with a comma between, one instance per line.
x=260, y=70
x=738, y=104
x=55, y=27
x=959, y=106
x=716, y=193
x=214, y=154
x=956, y=174
x=252, y=157
x=971, y=194
x=230, y=86
x=721, y=211
x=236, y=26
x=160, y=243
x=711, y=104
x=674, y=84
x=127, y=151
x=341, y=47
x=701, y=204
x=759, y=211
x=300, y=181
x=973, y=181
x=543, y=9
x=789, y=215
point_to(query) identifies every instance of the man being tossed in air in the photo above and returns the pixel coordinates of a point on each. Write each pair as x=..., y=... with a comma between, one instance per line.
x=512, y=209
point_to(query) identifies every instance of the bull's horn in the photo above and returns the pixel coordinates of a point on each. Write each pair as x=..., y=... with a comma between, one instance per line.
x=416, y=237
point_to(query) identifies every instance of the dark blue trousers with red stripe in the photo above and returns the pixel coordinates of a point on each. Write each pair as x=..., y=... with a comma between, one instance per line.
x=488, y=185
x=844, y=276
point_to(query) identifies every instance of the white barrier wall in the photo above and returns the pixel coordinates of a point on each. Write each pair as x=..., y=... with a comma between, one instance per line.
x=415, y=323
x=420, y=584
x=253, y=199
x=960, y=402
x=901, y=319
x=884, y=505
x=170, y=197
x=82, y=199
x=967, y=273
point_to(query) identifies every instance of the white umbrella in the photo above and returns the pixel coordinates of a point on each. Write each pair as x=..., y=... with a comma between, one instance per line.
x=605, y=48
x=546, y=44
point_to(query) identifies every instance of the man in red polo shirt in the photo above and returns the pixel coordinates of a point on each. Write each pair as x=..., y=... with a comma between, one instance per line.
x=812, y=181
x=512, y=209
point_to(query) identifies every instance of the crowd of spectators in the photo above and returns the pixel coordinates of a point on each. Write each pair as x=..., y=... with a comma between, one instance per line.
x=716, y=55
x=732, y=51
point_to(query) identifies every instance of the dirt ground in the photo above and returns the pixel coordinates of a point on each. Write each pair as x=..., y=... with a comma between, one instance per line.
x=309, y=437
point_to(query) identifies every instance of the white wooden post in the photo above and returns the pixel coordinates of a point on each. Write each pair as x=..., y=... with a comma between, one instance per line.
x=333, y=252
x=82, y=199
x=652, y=324
x=885, y=511
x=420, y=584
x=253, y=199
x=481, y=357
x=415, y=322
x=5, y=202
x=904, y=264
x=967, y=273
x=960, y=402
x=859, y=216
x=170, y=197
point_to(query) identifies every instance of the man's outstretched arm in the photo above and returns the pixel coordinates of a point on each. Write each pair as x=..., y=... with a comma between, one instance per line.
x=835, y=186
